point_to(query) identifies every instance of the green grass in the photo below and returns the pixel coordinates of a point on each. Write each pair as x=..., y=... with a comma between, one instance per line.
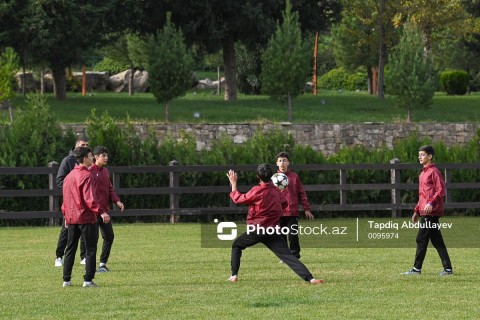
x=212, y=75
x=327, y=107
x=159, y=271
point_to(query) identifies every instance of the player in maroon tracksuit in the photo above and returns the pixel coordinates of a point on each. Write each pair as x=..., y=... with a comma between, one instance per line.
x=431, y=190
x=265, y=208
x=295, y=195
x=81, y=211
x=104, y=194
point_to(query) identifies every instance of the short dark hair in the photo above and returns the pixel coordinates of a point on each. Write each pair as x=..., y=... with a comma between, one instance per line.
x=80, y=153
x=99, y=150
x=283, y=154
x=264, y=172
x=427, y=149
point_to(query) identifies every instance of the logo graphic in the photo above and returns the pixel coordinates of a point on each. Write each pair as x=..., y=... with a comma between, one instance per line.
x=226, y=226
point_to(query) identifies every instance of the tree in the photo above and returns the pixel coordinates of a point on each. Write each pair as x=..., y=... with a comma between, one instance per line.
x=249, y=68
x=220, y=24
x=286, y=62
x=9, y=63
x=434, y=16
x=129, y=50
x=170, y=65
x=215, y=59
x=364, y=36
x=64, y=30
x=411, y=76
x=355, y=45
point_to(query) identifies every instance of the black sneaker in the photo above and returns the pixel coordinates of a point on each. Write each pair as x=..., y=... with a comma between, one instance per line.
x=412, y=272
x=103, y=269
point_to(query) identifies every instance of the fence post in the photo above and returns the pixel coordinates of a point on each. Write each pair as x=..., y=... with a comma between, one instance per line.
x=174, y=197
x=343, y=181
x=396, y=198
x=53, y=201
x=116, y=180
x=448, y=195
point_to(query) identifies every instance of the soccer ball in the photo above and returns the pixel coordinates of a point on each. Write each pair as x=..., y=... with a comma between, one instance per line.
x=280, y=180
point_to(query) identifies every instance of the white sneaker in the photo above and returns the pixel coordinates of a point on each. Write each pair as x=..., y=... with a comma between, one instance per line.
x=58, y=262
x=84, y=261
x=89, y=284
x=67, y=284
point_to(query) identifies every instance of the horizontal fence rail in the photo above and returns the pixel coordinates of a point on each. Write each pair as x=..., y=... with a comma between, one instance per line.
x=174, y=190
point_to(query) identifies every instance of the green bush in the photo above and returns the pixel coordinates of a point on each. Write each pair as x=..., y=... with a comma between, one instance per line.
x=338, y=78
x=111, y=66
x=33, y=139
x=455, y=82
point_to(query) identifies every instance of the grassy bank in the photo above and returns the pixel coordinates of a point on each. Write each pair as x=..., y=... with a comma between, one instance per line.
x=326, y=107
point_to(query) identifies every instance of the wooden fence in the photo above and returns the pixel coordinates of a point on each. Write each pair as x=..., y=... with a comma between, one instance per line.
x=174, y=190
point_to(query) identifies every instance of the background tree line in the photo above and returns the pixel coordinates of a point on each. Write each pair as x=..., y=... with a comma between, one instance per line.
x=60, y=34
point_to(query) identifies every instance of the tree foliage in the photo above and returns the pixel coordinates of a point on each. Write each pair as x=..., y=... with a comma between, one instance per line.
x=286, y=62
x=358, y=37
x=411, y=76
x=220, y=24
x=9, y=64
x=170, y=65
x=431, y=17
x=59, y=33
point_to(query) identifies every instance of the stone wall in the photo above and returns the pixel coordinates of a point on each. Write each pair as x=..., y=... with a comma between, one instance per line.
x=325, y=137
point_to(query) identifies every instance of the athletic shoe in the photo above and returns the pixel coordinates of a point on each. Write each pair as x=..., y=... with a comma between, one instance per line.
x=67, y=284
x=233, y=279
x=446, y=272
x=83, y=261
x=58, y=262
x=103, y=269
x=89, y=284
x=412, y=272
x=317, y=281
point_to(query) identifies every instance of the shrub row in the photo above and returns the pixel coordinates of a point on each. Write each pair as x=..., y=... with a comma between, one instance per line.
x=34, y=139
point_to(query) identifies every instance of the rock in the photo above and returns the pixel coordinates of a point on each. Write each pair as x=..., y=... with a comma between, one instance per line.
x=31, y=83
x=209, y=84
x=119, y=81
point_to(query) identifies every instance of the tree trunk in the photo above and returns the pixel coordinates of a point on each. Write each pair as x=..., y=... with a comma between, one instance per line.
x=167, y=110
x=370, y=79
x=84, y=81
x=42, y=82
x=130, y=81
x=10, y=109
x=383, y=52
x=230, y=64
x=10, y=112
x=59, y=83
x=289, y=105
x=24, y=80
x=219, y=84
x=409, y=115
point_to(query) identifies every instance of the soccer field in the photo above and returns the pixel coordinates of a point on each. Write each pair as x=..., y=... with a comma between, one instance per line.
x=160, y=271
